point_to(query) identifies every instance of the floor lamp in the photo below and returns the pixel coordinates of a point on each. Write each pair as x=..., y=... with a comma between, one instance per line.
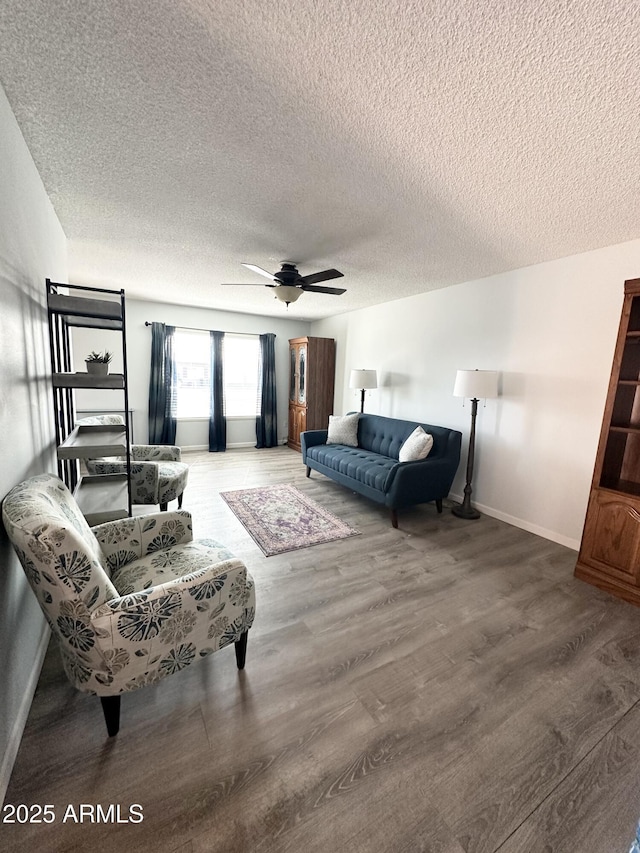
x=476, y=385
x=364, y=380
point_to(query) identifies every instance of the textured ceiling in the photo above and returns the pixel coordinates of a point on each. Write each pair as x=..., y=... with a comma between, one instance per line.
x=411, y=144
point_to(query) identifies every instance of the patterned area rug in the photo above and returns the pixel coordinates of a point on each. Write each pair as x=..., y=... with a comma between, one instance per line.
x=281, y=518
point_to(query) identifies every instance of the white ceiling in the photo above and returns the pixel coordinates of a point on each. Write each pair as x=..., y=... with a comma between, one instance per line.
x=411, y=144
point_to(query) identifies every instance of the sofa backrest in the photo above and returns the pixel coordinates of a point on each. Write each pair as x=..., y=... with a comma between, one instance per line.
x=387, y=435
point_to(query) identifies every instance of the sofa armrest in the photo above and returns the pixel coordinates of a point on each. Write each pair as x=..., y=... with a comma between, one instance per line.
x=420, y=481
x=128, y=539
x=311, y=438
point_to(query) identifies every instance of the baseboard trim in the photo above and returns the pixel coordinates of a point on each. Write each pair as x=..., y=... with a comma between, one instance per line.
x=11, y=752
x=237, y=444
x=544, y=532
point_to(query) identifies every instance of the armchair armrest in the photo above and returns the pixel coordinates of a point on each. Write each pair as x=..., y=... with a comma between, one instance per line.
x=143, y=472
x=136, y=616
x=128, y=539
x=155, y=453
x=145, y=477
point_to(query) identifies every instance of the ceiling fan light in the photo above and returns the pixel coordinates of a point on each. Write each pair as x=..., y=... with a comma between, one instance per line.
x=287, y=293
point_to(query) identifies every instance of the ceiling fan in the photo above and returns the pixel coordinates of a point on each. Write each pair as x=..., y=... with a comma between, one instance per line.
x=289, y=285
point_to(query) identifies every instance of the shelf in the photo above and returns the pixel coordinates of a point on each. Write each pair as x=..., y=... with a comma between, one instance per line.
x=631, y=382
x=632, y=430
x=80, y=311
x=88, y=380
x=103, y=497
x=92, y=442
x=92, y=322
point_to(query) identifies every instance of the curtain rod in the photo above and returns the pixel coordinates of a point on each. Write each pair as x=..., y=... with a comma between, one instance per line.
x=193, y=329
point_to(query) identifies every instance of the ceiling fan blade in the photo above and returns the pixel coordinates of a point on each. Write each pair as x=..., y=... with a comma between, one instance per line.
x=312, y=288
x=245, y=284
x=260, y=271
x=316, y=277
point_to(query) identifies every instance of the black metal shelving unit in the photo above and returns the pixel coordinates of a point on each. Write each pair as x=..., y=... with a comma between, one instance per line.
x=105, y=497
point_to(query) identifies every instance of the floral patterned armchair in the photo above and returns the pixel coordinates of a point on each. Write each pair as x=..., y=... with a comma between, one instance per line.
x=130, y=601
x=157, y=473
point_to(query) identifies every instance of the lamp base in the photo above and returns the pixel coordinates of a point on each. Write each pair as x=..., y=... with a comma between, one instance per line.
x=463, y=511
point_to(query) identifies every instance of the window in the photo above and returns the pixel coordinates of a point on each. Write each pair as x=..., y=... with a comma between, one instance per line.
x=241, y=375
x=193, y=391
x=241, y=355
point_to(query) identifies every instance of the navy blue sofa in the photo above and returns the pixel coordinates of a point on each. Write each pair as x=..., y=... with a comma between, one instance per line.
x=372, y=468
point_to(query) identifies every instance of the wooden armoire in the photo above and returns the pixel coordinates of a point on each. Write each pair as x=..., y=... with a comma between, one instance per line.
x=610, y=551
x=312, y=367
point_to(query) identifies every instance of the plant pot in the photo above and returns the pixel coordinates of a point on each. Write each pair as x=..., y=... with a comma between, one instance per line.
x=97, y=368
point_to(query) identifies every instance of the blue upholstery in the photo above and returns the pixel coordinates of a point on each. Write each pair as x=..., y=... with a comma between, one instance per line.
x=361, y=465
x=372, y=469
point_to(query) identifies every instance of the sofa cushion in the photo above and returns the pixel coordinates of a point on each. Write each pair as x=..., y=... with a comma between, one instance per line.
x=343, y=429
x=371, y=469
x=417, y=446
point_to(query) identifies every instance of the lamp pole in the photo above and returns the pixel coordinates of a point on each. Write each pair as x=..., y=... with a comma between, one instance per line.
x=465, y=510
x=474, y=385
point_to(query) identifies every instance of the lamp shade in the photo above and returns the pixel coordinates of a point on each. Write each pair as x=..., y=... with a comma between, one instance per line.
x=287, y=293
x=478, y=384
x=363, y=379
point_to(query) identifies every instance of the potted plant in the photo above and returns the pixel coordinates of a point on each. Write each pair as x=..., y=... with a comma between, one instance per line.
x=98, y=362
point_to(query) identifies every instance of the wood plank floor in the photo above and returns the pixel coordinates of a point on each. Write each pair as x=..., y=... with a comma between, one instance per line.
x=447, y=686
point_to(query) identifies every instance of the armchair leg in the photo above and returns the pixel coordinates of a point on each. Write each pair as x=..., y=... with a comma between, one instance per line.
x=308, y=471
x=163, y=507
x=241, y=649
x=180, y=501
x=394, y=518
x=111, y=711
x=439, y=504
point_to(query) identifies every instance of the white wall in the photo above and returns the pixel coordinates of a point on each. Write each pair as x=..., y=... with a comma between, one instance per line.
x=550, y=329
x=32, y=248
x=189, y=433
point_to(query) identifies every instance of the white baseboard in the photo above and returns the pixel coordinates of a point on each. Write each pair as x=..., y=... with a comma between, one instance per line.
x=9, y=757
x=574, y=544
x=187, y=447
x=236, y=444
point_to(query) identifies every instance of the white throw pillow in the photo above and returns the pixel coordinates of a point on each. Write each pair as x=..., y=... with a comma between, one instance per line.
x=417, y=446
x=343, y=429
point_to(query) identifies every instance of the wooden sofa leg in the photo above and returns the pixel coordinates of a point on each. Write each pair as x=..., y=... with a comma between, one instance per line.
x=111, y=711
x=241, y=649
x=439, y=504
x=308, y=471
x=163, y=507
x=394, y=518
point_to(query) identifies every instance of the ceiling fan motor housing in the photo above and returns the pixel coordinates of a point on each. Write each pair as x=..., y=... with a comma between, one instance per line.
x=288, y=274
